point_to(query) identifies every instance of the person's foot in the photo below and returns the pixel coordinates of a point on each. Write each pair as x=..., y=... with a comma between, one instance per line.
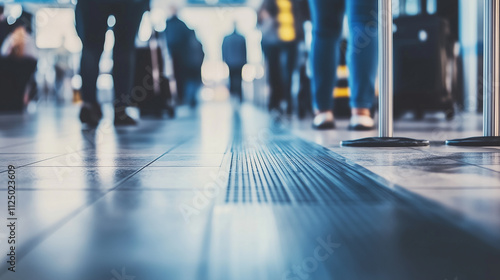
x=122, y=119
x=324, y=120
x=90, y=114
x=361, y=122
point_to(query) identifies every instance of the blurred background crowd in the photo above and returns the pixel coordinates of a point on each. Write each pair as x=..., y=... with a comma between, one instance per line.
x=187, y=52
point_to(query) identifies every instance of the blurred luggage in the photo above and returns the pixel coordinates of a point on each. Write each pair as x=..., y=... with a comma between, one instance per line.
x=15, y=74
x=304, y=95
x=425, y=74
x=151, y=87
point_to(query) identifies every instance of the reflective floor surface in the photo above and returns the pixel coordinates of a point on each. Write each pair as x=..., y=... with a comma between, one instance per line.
x=221, y=193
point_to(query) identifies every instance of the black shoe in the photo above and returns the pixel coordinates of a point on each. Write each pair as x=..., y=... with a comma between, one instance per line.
x=90, y=114
x=122, y=119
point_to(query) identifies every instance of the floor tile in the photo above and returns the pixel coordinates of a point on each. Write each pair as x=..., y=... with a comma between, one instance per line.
x=438, y=176
x=180, y=178
x=477, y=204
x=189, y=160
x=70, y=178
x=142, y=232
x=492, y=167
x=399, y=159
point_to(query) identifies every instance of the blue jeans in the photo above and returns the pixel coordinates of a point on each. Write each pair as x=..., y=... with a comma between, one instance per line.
x=362, y=58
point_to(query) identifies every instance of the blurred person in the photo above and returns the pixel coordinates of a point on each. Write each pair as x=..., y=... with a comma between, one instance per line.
x=234, y=54
x=92, y=24
x=18, y=63
x=281, y=23
x=19, y=41
x=192, y=60
x=362, y=60
x=178, y=35
x=281, y=32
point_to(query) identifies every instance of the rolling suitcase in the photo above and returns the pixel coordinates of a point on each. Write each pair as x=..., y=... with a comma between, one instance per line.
x=154, y=96
x=423, y=54
x=15, y=74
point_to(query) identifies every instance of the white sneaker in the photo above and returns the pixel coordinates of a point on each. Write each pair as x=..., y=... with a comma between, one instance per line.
x=324, y=120
x=361, y=123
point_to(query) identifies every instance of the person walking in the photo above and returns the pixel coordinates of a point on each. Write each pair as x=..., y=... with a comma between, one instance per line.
x=92, y=24
x=234, y=54
x=178, y=36
x=192, y=60
x=281, y=32
x=362, y=59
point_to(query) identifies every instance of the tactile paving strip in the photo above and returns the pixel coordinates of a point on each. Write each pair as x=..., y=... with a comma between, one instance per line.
x=286, y=169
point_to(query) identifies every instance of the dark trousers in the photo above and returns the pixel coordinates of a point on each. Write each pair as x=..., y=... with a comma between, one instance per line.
x=92, y=24
x=281, y=63
x=235, y=82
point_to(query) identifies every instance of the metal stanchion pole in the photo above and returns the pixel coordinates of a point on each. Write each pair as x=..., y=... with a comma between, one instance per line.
x=386, y=96
x=491, y=81
x=386, y=81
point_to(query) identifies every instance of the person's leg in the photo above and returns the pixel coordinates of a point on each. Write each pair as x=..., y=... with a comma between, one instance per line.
x=191, y=92
x=362, y=56
x=235, y=82
x=327, y=18
x=232, y=86
x=238, y=80
x=91, y=24
x=290, y=67
x=272, y=55
x=128, y=17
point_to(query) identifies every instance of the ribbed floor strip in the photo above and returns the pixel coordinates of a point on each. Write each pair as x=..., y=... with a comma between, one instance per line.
x=287, y=169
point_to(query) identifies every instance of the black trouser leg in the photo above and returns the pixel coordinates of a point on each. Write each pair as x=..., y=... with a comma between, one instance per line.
x=91, y=24
x=235, y=82
x=128, y=17
x=272, y=54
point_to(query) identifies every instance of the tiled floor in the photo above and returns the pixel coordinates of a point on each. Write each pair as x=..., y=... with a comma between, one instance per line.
x=219, y=194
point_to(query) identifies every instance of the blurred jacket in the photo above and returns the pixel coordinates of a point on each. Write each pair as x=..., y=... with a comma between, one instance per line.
x=193, y=56
x=283, y=20
x=177, y=34
x=16, y=39
x=234, y=50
